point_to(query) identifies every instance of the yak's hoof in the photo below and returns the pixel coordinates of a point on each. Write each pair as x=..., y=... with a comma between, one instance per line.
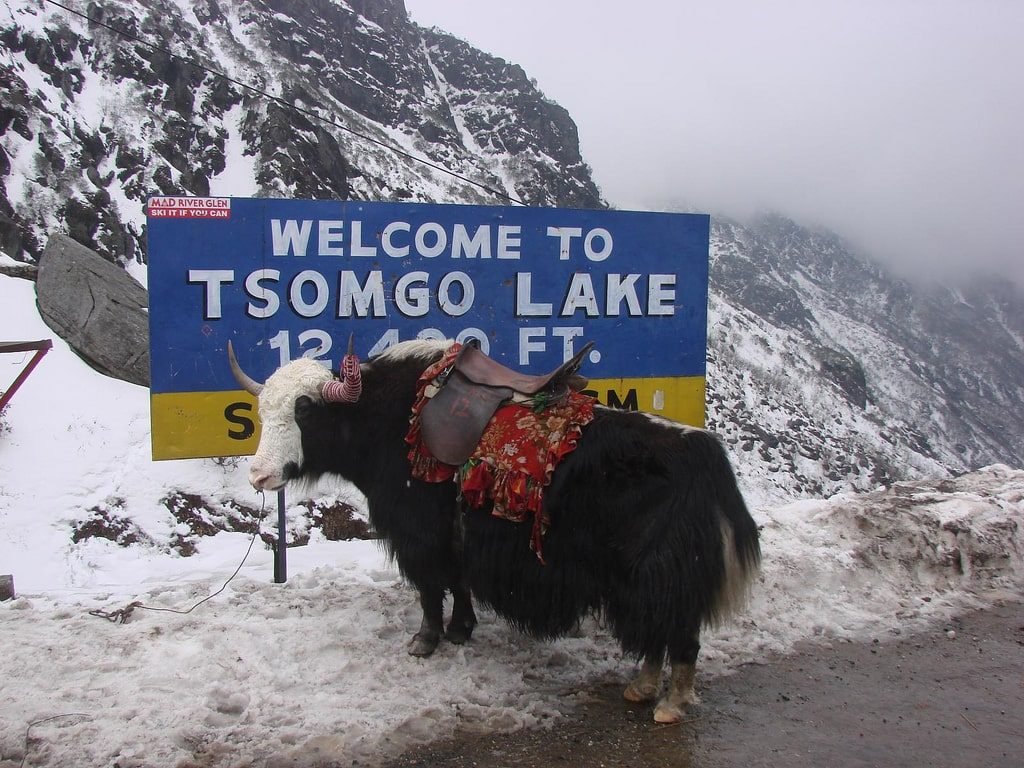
x=459, y=634
x=423, y=645
x=639, y=693
x=672, y=708
x=667, y=714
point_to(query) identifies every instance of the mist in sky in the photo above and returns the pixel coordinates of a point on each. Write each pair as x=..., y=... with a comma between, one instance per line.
x=899, y=124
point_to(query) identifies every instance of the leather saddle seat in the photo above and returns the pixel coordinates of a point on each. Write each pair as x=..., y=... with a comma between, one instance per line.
x=463, y=398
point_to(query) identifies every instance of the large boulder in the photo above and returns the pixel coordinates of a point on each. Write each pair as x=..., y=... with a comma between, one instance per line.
x=96, y=307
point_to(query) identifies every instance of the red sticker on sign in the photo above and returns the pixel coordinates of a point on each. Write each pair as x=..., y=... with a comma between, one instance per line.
x=189, y=207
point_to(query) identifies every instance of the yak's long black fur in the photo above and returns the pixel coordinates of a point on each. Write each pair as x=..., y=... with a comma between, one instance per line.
x=364, y=442
x=638, y=516
x=636, y=533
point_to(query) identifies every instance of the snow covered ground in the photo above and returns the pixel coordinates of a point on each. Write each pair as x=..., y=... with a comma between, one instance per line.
x=314, y=671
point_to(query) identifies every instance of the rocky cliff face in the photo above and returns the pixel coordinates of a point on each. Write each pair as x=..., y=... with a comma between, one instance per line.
x=93, y=122
x=830, y=374
x=825, y=373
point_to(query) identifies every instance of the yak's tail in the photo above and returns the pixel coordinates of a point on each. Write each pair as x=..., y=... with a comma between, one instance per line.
x=741, y=548
x=694, y=564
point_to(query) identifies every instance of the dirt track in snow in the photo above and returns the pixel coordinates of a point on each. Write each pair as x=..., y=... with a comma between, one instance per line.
x=952, y=696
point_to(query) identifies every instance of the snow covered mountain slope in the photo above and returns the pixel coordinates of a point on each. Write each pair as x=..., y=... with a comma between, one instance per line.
x=827, y=374
x=93, y=122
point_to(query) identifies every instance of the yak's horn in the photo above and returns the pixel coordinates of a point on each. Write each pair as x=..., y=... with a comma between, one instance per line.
x=247, y=383
x=350, y=387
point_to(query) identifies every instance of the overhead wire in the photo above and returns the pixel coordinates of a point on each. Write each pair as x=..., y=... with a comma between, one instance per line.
x=284, y=103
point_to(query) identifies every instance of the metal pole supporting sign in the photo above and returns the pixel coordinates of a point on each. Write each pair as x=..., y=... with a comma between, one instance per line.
x=281, y=551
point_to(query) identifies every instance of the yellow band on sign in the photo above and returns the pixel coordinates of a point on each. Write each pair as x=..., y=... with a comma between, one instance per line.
x=205, y=424
x=679, y=398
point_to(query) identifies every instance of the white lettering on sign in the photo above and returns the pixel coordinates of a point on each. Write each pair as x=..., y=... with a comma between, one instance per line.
x=317, y=343
x=281, y=341
x=525, y=306
x=398, y=239
x=431, y=240
x=471, y=246
x=358, y=248
x=309, y=294
x=590, y=244
x=213, y=279
x=597, y=245
x=565, y=236
x=356, y=299
x=661, y=295
x=392, y=250
x=259, y=292
x=533, y=339
x=508, y=242
x=450, y=306
x=331, y=237
x=565, y=300
x=291, y=237
x=567, y=334
x=320, y=293
x=621, y=287
x=412, y=301
x=581, y=295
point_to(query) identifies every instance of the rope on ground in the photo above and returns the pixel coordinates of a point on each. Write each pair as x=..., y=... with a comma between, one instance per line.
x=28, y=730
x=121, y=615
x=118, y=616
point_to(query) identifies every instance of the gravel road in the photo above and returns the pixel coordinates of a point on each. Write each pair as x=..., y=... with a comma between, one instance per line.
x=949, y=697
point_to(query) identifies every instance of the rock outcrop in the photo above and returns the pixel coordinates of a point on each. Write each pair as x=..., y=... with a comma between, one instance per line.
x=96, y=307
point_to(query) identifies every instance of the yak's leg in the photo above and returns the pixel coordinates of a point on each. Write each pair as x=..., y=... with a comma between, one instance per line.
x=680, y=693
x=460, y=628
x=425, y=641
x=646, y=685
x=683, y=655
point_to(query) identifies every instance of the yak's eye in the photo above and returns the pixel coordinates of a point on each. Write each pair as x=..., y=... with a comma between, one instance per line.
x=303, y=408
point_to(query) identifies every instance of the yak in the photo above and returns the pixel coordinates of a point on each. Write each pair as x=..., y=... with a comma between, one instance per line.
x=648, y=529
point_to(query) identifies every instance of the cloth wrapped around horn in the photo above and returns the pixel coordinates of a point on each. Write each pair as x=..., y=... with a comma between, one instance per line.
x=350, y=386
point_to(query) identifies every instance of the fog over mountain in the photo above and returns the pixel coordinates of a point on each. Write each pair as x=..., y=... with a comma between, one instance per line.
x=894, y=122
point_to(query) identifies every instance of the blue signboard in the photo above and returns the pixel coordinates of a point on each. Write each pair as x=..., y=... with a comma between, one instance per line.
x=285, y=278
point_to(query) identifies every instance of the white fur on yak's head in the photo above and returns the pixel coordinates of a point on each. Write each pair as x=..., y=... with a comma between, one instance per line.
x=279, y=455
x=280, y=439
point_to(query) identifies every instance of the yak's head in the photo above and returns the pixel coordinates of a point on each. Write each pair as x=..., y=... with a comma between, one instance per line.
x=279, y=457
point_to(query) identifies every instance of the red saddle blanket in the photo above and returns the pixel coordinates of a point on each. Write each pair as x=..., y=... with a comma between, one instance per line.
x=516, y=457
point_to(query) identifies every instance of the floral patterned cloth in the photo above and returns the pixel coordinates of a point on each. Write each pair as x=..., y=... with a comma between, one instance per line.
x=516, y=457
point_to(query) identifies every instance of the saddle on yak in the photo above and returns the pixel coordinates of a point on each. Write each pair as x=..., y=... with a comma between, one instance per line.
x=467, y=394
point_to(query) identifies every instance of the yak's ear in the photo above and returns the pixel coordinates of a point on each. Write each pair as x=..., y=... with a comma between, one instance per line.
x=303, y=409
